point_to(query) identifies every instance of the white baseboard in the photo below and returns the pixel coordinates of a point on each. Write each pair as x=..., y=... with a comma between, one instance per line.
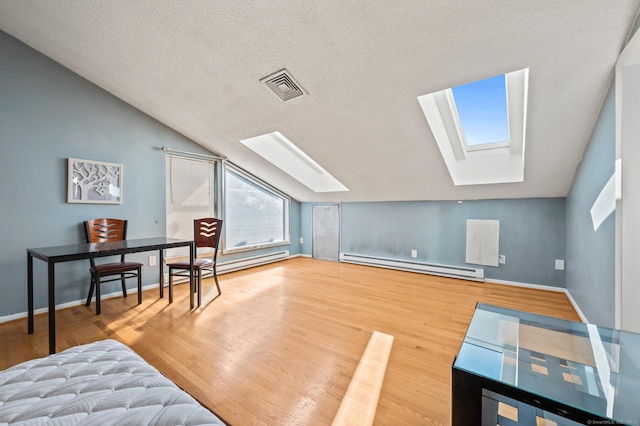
x=78, y=302
x=583, y=317
x=547, y=288
x=300, y=255
x=527, y=285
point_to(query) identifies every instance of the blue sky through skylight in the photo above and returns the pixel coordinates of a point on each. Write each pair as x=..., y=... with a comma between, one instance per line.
x=482, y=108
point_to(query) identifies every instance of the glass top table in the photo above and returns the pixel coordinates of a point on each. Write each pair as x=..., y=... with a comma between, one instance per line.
x=580, y=371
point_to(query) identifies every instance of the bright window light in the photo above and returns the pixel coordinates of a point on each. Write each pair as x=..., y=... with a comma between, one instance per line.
x=482, y=108
x=255, y=215
x=480, y=128
x=282, y=153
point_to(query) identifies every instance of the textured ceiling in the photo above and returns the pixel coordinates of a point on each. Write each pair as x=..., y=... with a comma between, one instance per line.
x=196, y=66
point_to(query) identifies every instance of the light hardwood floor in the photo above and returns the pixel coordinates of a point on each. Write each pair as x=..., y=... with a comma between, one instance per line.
x=280, y=346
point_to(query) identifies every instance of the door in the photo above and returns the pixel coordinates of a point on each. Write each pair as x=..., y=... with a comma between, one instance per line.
x=326, y=231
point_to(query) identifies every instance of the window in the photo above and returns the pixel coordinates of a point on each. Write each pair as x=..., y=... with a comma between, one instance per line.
x=190, y=194
x=256, y=215
x=480, y=128
x=482, y=110
x=284, y=154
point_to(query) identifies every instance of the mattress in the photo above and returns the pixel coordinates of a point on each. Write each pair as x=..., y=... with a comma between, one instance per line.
x=102, y=383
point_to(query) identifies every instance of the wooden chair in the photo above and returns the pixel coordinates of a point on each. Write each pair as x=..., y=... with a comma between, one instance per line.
x=106, y=230
x=206, y=235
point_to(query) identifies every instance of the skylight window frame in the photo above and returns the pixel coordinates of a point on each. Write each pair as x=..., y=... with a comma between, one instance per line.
x=486, y=146
x=451, y=97
x=469, y=149
x=277, y=149
x=488, y=164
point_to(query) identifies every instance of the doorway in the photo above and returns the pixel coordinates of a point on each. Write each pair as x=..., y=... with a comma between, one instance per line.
x=326, y=232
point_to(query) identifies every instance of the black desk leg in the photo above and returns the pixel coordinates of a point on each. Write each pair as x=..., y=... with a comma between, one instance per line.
x=30, y=292
x=466, y=398
x=197, y=282
x=161, y=268
x=52, y=307
x=191, y=280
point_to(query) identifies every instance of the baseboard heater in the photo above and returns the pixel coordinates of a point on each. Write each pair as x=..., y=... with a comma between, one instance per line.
x=249, y=262
x=238, y=264
x=462, y=272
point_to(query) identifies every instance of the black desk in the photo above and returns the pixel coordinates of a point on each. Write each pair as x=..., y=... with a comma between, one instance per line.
x=53, y=255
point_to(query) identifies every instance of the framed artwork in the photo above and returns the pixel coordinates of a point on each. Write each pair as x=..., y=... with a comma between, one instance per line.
x=94, y=182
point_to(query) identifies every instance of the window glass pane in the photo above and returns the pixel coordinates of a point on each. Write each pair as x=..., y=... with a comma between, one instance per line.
x=253, y=215
x=482, y=108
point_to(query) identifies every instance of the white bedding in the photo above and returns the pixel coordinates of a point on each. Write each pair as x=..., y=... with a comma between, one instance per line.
x=102, y=383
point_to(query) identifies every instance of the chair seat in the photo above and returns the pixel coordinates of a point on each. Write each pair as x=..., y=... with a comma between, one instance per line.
x=106, y=230
x=197, y=263
x=115, y=267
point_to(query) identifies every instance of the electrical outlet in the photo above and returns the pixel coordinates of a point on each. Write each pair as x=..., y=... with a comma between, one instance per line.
x=502, y=259
x=152, y=261
x=414, y=253
x=301, y=240
x=559, y=265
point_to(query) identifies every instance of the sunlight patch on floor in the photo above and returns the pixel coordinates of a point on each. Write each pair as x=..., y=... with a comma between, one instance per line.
x=358, y=407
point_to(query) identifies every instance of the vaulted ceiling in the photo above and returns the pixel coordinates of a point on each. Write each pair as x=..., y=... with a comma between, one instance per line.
x=196, y=66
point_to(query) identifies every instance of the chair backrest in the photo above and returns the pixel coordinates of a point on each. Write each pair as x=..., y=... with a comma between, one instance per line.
x=207, y=232
x=105, y=230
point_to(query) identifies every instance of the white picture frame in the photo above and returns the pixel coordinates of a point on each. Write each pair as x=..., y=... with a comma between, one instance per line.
x=95, y=182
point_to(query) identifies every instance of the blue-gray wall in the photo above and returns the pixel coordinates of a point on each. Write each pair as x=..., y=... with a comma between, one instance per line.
x=591, y=254
x=532, y=233
x=48, y=114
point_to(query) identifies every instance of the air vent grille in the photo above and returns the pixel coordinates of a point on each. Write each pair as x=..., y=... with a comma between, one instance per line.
x=284, y=85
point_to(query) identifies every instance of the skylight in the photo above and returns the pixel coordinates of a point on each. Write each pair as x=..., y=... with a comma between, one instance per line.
x=480, y=128
x=482, y=108
x=281, y=152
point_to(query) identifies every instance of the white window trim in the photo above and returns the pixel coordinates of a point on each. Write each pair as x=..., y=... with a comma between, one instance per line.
x=502, y=162
x=284, y=154
x=268, y=188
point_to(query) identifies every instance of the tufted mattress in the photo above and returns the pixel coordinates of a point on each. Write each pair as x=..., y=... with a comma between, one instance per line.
x=102, y=383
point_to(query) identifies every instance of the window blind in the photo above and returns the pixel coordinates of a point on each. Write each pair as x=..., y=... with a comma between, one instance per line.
x=190, y=194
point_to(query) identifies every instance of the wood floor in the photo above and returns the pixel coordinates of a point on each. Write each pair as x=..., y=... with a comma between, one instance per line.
x=280, y=346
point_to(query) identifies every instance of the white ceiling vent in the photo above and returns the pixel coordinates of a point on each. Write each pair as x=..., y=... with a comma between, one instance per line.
x=283, y=85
